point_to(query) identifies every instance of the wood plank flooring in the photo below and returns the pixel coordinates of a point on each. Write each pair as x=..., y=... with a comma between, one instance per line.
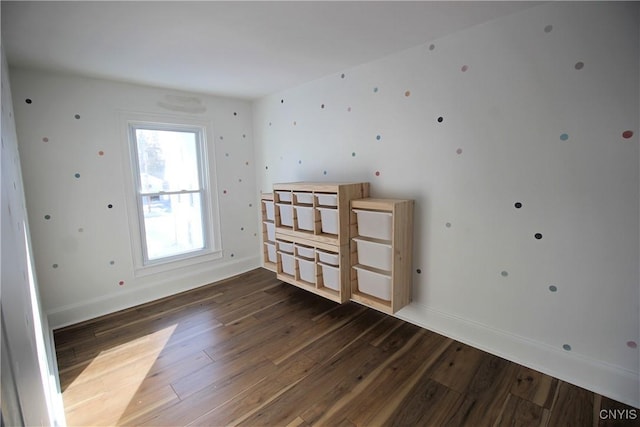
x=254, y=351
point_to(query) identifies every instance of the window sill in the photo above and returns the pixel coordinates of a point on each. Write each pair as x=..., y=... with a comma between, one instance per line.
x=176, y=264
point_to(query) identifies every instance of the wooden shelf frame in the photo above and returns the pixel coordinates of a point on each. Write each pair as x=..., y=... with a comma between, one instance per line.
x=401, y=253
x=265, y=198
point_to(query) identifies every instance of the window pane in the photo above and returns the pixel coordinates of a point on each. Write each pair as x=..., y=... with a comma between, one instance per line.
x=168, y=160
x=173, y=224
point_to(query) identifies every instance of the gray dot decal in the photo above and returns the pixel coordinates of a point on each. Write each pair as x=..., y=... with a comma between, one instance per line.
x=432, y=46
x=548, y=28
x=110, y=206
x=553, y=288
x=448, y=225
x=112, y=262
x=632, y=344
x=45, y=139
x=518, y=205
x=579, y=65
x=47, y=217
x=77, y=116
x=342, y=76
x=440, y=119
x=28, y=101
x=538, y=236
x=566, y=347
x=418, y=271
x=55, y=266
x=504, y=273
x=80, y=230
x=77, y=175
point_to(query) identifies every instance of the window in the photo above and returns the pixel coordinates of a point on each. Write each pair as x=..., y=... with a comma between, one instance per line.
x=172, y=198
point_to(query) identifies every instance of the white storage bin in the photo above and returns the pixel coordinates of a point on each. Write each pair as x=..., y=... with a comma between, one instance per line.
x=285, y=247
x=288, y=264
x=374, y=224
x=271, y=252
x=328, y=257
x=271, y=231
x=305, y=251
x=327, y=199
x=286, y=214
x=304, y=198
x=307, y=270
x=329, y=220
x=374, y=254
x=373, y=283
x=285, y=196
x=305, y=217
x=330, y=276
x=270, y=208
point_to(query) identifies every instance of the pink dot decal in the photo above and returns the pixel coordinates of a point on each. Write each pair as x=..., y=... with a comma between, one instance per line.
x=377, y=173
x=225, y=192
x=632, y=344
x=627, y=134
x=349, y=109
x=100, y=153
x=407, y=93
x=464, y=68
x=121, y=283
x=45, y=139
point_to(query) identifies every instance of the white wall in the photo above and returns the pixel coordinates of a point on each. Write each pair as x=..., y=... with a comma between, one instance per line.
x=534, y=108
x=83, y=251
x=29, y=385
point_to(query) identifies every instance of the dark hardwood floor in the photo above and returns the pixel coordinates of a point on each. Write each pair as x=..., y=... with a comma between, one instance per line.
x=252, y=351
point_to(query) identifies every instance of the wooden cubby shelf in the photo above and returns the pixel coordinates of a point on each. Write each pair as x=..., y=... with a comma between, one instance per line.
x=331, y=239
x=381, y=253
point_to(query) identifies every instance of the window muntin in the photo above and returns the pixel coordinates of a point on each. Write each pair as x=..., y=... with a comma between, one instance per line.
x=171, y=191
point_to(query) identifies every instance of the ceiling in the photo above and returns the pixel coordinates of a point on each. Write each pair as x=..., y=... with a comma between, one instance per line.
x=241, y=49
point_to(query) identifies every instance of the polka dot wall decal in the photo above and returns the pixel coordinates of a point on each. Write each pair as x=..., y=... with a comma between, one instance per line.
x=224, y=191
x=418, y=271
x=100, y=153
x=579, y=65
x=324, y=172
x=45, y=139
x=250, y=205
x=518, y=205
x=269, y=123
x=77, y=175
x=295, y=123
x=377, y=173
x=632, y=344
x=448, y=225
x=299, y=162
x=266, y=167
x=241, y=228
x=538, y=236
x=464, y=68
x=221, y=137
x=349, y=109
x=627, y=134
x=548, y=28
x=564, y=137
x=110, y=206
x=77, y=116
x=566, y=347
x=342, y=76
x=440, y=119
x=121, y=283
x=321, y=105
x=353, y=154
x=246, y=163
x=232, y=255
x=235, y=114
x=375, y=90
x=28, y=101
x=553, y=288
x=432, y=46
x=407, y=93
x=226, y=154
x=282, y=101
x=112, y=262
x=80, y=230
x=459, y=151
x=504, y=273
x=378, y=137
x=55, y=266
x=47, y=217
x=244, y=135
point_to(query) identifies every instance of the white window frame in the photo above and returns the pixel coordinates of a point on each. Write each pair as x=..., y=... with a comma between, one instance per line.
x=209, y=201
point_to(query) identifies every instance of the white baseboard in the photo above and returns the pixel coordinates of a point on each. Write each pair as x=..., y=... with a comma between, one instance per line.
x=600, y=377
x=160, y=287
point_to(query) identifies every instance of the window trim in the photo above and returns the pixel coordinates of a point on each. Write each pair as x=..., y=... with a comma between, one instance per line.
x=209, y=200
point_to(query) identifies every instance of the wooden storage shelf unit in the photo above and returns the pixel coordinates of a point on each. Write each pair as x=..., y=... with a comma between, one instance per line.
x=381, y=253
x=315, y=218
x=268, y=232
